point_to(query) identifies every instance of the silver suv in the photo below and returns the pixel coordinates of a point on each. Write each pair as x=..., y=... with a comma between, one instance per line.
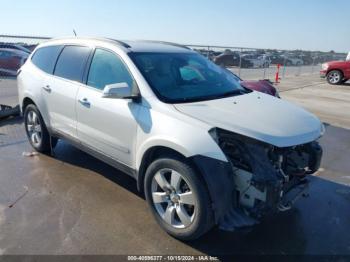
x=204, y=150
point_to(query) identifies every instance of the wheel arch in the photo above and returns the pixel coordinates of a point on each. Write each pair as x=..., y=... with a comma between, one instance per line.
x=156, y=152
x=335, y=69
x=27, y=101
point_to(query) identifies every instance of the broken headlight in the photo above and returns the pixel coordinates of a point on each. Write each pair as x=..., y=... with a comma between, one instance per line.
x=263, y=173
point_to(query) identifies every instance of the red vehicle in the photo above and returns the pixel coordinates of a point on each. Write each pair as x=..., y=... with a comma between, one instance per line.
x=264, y=86
x=336, y=72
x=11, y=60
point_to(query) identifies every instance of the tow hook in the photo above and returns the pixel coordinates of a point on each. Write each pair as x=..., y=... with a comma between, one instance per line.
x=303, y=192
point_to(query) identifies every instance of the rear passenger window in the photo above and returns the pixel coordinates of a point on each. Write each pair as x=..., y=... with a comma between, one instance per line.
x=71, y=62
x=107, y=68
x=45, y=58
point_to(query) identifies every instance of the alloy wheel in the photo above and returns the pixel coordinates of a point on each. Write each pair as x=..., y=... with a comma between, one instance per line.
x=334, y=77
x=173, y=198
x=34, y=128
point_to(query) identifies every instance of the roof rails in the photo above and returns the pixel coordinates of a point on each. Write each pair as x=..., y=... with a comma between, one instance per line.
x=120, y=42
x=168, y=43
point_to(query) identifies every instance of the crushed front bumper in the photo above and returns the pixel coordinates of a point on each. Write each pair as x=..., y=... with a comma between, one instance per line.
x=241, y=199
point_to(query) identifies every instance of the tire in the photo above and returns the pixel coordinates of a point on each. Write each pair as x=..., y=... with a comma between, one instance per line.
x=36, y=130
x=185, y=221
x=334, y=77
x=344, y=81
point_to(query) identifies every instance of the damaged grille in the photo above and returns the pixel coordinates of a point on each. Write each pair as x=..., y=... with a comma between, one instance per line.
x=264, y=173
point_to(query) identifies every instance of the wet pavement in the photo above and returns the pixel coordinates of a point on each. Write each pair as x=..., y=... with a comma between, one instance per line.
x=72, y=203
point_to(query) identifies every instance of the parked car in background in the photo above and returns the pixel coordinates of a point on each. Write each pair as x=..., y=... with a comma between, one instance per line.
x=210, y=54
x=307, y=59
x=294, y=61
x=31, y=47
x=277, y=59
x=232, y=59
x=11, y=60
x=336, y=72
x=261, y=61
x=15, y=46
x=264, y=86
x=285, y=60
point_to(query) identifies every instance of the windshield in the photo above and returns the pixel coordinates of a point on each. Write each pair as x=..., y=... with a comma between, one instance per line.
x=185, y=77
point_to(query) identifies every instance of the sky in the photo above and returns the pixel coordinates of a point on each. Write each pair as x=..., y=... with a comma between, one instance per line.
x=280, y=24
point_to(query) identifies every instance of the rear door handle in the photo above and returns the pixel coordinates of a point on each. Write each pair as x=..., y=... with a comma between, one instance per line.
x=84, y=102
x=47, y=88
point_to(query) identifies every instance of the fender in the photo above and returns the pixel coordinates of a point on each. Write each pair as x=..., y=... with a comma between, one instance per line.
x=159, y=141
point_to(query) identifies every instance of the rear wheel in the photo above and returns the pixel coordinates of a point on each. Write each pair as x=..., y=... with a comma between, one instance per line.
x=178, y=199
x=334, y=77
x=36, y=130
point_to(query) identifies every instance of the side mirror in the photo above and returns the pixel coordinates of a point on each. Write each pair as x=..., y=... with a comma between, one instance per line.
x=120, y=90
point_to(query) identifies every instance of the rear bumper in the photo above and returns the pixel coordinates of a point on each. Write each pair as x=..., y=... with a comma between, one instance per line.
x=323, y=73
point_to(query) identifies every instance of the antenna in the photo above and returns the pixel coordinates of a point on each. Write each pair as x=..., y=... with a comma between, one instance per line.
x=75, y=33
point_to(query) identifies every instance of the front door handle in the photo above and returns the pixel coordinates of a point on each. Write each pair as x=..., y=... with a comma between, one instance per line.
x=84, y=102
x=47, y=88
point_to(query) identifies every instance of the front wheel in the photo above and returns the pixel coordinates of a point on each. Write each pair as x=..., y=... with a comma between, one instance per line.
x=178, y=198
x=334, y=77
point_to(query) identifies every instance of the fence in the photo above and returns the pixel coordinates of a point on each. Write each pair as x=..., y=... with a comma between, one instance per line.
x=248, y=63
x=255, y=63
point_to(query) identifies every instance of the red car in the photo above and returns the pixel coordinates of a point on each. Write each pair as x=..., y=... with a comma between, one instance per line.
x=336, y=72
x=11, y=60
x=264, y=86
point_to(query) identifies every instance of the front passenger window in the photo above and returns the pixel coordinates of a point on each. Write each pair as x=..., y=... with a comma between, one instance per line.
x=107, y=68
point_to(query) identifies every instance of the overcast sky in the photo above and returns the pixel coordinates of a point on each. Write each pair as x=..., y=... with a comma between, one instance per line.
x=282, y=24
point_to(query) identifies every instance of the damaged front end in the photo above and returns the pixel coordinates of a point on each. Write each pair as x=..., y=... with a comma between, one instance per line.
x=267, y=179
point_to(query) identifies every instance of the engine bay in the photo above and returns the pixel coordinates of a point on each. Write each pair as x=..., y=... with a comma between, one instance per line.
x=267, y=178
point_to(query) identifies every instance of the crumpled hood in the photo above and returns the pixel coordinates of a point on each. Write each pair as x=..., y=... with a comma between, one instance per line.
x=259, y=116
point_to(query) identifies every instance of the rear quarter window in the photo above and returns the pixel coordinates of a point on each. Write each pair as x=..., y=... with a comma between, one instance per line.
x=71, y=62
x=45, y=58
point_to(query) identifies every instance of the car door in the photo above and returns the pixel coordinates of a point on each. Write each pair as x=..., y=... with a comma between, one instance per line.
x=61, y=90
x=107, y=125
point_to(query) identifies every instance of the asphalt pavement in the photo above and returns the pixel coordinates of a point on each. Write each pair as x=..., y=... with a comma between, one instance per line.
x=72, y=203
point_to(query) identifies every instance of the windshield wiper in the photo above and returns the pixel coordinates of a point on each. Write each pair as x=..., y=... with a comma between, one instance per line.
x=216, y=96
x=229, y=93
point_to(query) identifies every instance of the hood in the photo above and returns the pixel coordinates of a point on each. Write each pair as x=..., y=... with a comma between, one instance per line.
x=335, y=62
x=258, y=116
